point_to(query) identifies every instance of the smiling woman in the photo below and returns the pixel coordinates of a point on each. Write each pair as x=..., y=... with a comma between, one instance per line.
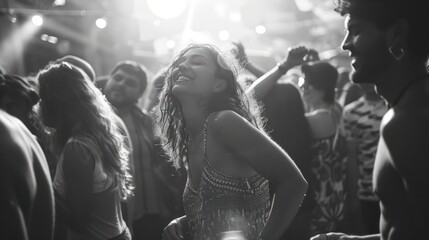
x=210, y=127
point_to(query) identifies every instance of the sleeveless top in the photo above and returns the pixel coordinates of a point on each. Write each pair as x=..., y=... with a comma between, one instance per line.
x=329, y=170
x=106, y=217
x=225, y=204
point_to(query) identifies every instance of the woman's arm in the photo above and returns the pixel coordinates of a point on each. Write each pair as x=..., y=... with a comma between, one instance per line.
x=342, y=236
x=268, y=159
x=296, y=56
x=265, y=83
x=78, y=167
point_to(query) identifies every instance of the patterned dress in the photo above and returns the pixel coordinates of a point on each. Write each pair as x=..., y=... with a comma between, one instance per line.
x=329, y=169
x=224, y=204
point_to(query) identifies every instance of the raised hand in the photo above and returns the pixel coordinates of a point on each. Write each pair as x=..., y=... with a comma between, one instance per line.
x=296, y=56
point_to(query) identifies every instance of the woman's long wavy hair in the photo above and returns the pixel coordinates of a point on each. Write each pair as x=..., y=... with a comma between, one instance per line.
x=78, y=108
x=171, y=124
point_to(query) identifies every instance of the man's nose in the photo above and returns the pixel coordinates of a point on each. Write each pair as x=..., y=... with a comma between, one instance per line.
x=345, y=45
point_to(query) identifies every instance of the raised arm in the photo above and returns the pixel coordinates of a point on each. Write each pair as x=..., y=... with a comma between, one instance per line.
x=268, y=159
x=296, y=56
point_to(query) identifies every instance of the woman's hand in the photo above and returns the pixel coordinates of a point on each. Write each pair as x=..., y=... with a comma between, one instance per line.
x=174, y=230
x=296, y=56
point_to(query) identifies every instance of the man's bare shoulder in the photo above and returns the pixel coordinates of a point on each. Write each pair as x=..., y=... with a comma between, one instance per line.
x=15, y=162
x=405, y=123
x=406, y=135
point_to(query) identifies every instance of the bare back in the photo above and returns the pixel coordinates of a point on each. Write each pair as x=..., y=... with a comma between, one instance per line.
x=27, y=202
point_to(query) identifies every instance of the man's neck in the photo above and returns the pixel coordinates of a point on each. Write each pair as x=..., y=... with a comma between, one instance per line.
x=372, y=97
x=393, y=83
x=122, y=110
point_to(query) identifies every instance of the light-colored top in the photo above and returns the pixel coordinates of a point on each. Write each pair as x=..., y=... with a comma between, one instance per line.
x=223, y=204
x=362, y=120
x=106, y=218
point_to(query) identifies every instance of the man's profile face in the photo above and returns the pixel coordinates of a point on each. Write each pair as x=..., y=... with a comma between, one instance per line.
x=368, y=49
x=122, y=89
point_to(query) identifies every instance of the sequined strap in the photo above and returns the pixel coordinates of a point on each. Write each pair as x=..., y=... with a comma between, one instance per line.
x=205, y=134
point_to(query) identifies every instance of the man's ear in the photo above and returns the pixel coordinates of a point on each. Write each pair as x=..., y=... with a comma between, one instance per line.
x=396, y=35
x=220, y=85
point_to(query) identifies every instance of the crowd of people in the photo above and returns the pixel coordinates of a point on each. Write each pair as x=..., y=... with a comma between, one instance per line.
x=298, y=152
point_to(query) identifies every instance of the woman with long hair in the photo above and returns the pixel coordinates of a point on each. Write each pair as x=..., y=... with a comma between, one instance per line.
x=210, y=127
x=92, y=174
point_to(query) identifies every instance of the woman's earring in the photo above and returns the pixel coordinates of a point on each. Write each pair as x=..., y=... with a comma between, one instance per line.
x=398, y=55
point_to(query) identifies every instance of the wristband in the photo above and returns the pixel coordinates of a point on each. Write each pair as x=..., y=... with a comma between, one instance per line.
x=282, y=68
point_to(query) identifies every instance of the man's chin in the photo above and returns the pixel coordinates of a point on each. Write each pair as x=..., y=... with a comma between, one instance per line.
x=358, y=77
x=118, y=104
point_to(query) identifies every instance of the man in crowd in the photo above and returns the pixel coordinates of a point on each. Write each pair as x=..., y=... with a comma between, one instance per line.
x=27, y=200
x=146, y=210
x=388, y=43
x=19, y=98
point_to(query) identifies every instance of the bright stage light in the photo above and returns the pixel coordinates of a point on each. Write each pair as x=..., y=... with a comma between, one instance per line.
x=53, y=39
x=167, y=9
x=223, y=35
x=37, y=20
x=260, y=29
x=170, y=44
x=101, y=23
x=304, y=5
x=44, y=37
x=12, y=16
x=59, y=2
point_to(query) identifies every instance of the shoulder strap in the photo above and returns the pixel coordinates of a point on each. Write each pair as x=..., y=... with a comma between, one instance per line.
x=205, y=135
